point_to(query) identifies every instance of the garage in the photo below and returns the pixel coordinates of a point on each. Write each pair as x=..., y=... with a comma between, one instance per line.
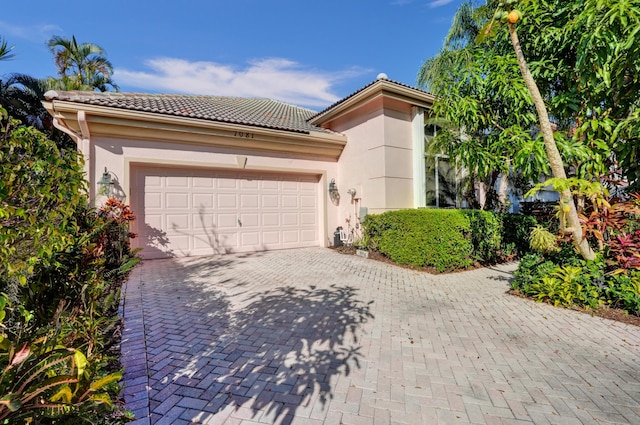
x=188, y=212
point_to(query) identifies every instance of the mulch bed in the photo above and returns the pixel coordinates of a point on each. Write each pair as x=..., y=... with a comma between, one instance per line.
x=605, y=312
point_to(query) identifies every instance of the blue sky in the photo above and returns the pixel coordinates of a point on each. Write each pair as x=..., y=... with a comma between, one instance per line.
x=306, y=53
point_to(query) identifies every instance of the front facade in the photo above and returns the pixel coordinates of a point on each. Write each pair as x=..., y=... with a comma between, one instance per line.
x=209, y=175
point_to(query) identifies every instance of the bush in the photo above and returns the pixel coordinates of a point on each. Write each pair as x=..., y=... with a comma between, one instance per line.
x=515, y=233
x=623, y=291
x=421, y=238
x=59, y=284
x=486, y=235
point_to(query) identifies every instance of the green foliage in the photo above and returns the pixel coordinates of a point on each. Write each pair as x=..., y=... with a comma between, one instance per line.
x=39, y=192
x=542, y=240
x=583, y=57
x=516, y=229
x=81, y=66
x=623, y=291
x=486, y=235
x=571, y=284
x=60, y=277
x=420, y=238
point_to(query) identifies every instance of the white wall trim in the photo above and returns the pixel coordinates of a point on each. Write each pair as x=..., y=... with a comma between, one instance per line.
x=419, y=167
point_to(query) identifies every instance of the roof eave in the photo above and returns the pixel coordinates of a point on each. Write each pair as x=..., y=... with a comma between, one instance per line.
x=379, y=88
x=105, y=121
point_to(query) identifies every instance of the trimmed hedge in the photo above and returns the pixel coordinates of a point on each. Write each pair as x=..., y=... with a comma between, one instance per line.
x=447, y=239
x=422, y=238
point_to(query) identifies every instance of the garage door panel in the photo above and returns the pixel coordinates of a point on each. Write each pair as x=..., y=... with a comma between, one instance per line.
x=250, y=220
x=202, y=200
x=176, y=200
x=203, y=221
x=270, y=201
x=227, y=221
x=270, y=219
x=290, y=201
x=290, y=237
x=203, y=182
x=308, y=235
x=181, y=181
x=290, y=186
x=252, y=185
x=271, y=238
x=178, y=222
x=249, y=201
x=227, y=201
x=289, y=219
x=250, y=239
x=308, y=219
x=184, y=212
x=152, y=181
x=153, y=200
x=307, y=201
x=227, y=184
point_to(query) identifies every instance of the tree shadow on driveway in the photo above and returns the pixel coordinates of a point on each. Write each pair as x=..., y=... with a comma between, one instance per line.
x=266, y=353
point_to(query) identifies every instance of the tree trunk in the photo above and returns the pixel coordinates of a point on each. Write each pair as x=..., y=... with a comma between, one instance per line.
x=555, y=160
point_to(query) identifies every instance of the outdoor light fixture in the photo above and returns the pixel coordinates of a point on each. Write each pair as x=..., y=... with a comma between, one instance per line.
x=334, y=195
x=333, y=187
x=106, y=184
x=351, y=192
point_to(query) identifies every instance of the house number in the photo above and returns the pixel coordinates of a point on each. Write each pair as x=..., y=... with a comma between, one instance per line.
x=243, y=134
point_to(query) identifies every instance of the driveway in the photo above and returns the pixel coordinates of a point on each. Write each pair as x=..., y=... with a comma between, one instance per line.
x=311, y=336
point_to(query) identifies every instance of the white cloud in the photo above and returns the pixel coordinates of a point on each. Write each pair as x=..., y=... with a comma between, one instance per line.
x=274, y=78
x=439, y=3
x=33, y=33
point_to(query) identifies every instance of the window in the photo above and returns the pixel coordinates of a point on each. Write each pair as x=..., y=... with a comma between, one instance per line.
x=441, y=176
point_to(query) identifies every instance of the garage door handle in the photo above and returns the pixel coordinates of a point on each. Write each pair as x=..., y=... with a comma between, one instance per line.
x=239, y=223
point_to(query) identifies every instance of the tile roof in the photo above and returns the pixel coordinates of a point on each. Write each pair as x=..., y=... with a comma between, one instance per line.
x=385, y=79
x=257, y=112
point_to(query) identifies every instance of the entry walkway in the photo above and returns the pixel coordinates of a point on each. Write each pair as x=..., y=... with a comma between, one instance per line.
x=311, y=336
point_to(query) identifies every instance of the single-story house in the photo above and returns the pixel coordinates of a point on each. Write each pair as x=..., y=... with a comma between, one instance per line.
x=209, y=174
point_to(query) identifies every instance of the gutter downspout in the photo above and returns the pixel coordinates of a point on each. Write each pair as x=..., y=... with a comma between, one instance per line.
x=83, y=142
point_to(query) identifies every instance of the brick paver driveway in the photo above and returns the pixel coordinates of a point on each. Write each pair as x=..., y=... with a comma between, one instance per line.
x=311, y=336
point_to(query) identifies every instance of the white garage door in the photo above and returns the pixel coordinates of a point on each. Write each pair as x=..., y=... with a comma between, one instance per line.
x=184, y=212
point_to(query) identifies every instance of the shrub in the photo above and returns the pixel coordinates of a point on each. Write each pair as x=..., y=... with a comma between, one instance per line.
x=486, y=235
x=420, y=238
x=59, y=284
x=515, y=233
x=623, y=291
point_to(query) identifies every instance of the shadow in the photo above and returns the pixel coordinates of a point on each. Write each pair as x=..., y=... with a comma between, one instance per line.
x=154, y=242
x=501, y=275
x=306, y=337
x=271, y=352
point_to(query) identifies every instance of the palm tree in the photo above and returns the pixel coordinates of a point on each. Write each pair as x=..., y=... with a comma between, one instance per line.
x=5, y=50
x=81, y=66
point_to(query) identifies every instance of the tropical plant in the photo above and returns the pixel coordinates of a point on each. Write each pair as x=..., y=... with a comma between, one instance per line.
x=581, y=66
x=5, y=50
x=81, y=66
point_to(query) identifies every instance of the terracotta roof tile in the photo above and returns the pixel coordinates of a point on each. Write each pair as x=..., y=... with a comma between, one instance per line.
x=362, y=89
x=256, y=112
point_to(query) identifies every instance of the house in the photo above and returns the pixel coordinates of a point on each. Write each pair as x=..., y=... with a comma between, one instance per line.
x=207, y=174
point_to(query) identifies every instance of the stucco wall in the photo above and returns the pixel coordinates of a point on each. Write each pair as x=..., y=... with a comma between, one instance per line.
x=118, y=155
x=377, y=160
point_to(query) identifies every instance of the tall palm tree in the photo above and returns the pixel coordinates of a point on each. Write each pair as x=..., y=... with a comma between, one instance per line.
x=81, y=66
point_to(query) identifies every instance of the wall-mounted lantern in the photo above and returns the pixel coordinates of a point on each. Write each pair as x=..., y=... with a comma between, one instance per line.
x=105, y=185
x=334, y=195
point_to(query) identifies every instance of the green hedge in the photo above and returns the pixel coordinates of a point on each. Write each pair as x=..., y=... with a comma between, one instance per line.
x=422, y=238
x=486, y=235
x=516, y=229
x=447, y=239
